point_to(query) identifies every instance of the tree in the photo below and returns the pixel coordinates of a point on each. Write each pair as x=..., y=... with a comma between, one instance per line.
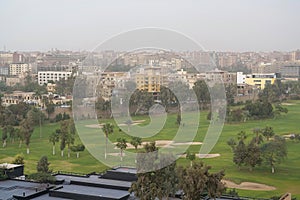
x=50, y=109
x=4, y=136
x=190, y=156
x=19, y=159
x=201, y=90
x=195, y=180
x=253, y=155
x=107, y=129
x=274, y=151
x=159, y=183
x=122, y=145
x=178, y=119
x=77, y=149
x=268, y=132
x=11, y=132
x=64, y=130
x=26, y=130
x=136, y=141
x=258, y=138
x=53, y=138
x=239, y=154
x=70, y=135
x=43, y=165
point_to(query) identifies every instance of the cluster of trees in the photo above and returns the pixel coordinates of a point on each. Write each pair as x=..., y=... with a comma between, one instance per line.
x=258, y=151
x=30, y=85
x=255, y=110
x=66, y=136
x=24, y=131
x=194, y=181
x=108, y=129
x=61, y=117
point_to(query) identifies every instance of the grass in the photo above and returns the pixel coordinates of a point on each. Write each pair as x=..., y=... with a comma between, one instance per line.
x=285, y=179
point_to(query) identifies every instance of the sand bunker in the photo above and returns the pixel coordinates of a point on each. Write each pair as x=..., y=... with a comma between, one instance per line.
x=203, y=155
x=249, y=186
x=115, y=154
x=94, y=125
x=287, y=104
x=163, y=143
x=136, y=122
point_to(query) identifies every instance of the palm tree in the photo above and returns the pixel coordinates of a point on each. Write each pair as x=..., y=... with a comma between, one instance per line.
x=54, y=137
x=136, y=141
x=190, y=156
x=107, y=128
x=122, y=144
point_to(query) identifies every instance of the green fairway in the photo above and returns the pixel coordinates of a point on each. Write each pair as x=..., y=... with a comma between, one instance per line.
x=285, y=179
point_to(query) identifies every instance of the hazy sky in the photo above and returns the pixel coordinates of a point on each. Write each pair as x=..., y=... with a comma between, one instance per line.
x=222, y=25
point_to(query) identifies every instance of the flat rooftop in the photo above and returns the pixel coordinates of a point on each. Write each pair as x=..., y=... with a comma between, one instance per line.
x=90, y=191
x=125, y=169
x=93, y=179
x=8, y=188
x=9, y=166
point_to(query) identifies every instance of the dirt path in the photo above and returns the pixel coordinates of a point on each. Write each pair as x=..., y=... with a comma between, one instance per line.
x=249, y=186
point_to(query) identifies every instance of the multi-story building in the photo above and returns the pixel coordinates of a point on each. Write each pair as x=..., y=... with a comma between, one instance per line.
x=110, y=80
x=6, y=58
x=45, y=76
x=219, y=75
x=150, y=79
x=18, y=68
x=4, y=70
x=257, y=80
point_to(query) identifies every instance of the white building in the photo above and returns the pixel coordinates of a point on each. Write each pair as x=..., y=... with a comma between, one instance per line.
x=240, y=78
x=18, y=68
x=46, y=76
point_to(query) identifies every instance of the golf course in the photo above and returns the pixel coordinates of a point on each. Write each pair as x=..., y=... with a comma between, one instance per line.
x=285, y=179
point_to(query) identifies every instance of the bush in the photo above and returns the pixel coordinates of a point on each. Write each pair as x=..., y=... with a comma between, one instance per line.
x=41, y=177
x=19, y=159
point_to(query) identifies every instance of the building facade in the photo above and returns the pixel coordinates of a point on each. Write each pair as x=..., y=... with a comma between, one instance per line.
x=45, y=76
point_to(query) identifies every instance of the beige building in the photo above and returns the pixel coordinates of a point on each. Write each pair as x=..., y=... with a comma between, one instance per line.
x=150, y=79
x=108, y=81
x=17, y=97
x=218, y=75
x=18, y=68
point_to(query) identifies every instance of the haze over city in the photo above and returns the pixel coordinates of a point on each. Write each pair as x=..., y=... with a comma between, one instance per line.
x=217, y=25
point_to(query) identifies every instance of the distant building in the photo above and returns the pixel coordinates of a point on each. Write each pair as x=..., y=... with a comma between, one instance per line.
x=6, y=58
x=257, y=80
x=45, y=76
x=219, y=75
x=4, y=70
x=11, y=81
x=51, y=87
x=150, y=79
x=17, y=97
x=18, y=68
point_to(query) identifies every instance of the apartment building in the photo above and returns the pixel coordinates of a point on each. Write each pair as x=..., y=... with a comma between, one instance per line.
x=45, y=76
x=16, y=69
x=150, y=79
x=258, y=80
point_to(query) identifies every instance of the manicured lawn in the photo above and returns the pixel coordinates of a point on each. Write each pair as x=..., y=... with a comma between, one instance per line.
x=286, y=178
